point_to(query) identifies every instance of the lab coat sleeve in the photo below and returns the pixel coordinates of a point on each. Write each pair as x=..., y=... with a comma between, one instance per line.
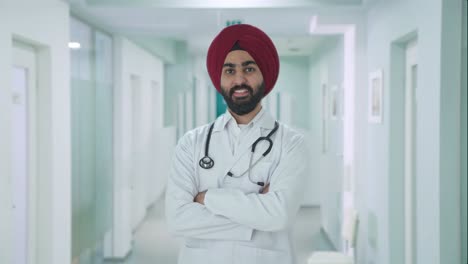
x=275, y=210
x=190, y=219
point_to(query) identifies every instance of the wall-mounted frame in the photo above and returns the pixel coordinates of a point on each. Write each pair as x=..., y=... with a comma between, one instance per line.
x=375, y=97
x=341, y=101
x=334, y=102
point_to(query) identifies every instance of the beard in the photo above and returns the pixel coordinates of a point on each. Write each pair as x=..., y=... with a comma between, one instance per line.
x=242, y=106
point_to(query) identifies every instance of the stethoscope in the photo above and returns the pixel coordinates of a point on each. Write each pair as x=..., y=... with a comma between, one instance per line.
x=207, y=162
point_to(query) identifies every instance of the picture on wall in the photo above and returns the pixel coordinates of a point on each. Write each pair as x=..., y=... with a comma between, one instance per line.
x=334, y=103
x=341, y=101
x=375, y=100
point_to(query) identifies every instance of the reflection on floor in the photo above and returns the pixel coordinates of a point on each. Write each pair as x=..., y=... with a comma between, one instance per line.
x=154, y=245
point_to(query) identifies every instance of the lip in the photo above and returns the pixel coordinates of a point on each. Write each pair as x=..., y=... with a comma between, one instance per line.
x=241, y=93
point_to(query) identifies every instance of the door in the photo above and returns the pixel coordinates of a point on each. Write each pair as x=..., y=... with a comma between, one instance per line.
x=155, y=112
x=136, y=177
x=410, y=151
x=23, y=135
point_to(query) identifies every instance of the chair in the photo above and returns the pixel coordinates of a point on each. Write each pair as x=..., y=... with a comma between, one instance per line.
x=348, y=232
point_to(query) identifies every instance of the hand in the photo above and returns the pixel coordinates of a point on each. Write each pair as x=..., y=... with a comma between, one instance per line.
x=265, y=189
x=200, y=198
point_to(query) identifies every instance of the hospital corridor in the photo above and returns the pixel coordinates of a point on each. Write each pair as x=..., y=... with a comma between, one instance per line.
x=129, y=134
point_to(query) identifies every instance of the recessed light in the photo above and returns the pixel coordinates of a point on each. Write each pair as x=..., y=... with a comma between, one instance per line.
x=74, y=45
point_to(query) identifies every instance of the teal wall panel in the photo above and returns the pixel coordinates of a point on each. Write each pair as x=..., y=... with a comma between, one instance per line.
x=220, y=105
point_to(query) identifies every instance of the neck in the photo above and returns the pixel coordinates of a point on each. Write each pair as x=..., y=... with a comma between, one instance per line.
x=245, y=119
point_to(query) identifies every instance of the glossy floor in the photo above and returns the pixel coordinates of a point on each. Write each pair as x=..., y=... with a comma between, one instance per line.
x=154, y=245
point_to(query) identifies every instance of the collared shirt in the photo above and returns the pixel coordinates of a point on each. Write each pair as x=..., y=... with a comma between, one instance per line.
x=238, y=131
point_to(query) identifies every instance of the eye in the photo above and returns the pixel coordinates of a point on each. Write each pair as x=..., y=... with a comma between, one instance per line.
x=229, y=71
x=249, y=69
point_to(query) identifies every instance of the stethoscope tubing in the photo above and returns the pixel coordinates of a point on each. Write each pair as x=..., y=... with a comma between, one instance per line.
x=207, y=162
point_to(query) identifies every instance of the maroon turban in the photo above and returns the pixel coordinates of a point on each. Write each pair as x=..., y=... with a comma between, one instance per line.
x=250, y=39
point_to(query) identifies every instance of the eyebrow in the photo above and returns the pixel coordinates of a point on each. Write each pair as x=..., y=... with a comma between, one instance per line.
x=245, y=63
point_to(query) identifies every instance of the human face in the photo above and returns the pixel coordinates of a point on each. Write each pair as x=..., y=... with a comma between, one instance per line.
x=242, y=83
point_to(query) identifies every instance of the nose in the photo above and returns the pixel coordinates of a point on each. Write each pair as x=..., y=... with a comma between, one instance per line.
x=239, y=78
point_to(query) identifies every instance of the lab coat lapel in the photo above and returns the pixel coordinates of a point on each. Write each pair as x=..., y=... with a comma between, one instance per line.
x=239, y=162
x=242, y=156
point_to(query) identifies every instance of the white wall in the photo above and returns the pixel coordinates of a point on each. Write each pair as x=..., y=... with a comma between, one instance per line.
x=46, y=27
x=179, y=79
x=327, y=68
x=146, y=151
x=436, y=234
x=202, y=94
x=294, y=110
x=293, y=79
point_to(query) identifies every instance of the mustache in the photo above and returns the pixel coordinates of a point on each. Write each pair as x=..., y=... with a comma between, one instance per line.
x=239, y=87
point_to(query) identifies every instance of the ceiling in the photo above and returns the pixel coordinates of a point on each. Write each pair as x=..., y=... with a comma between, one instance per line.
x=196, y=22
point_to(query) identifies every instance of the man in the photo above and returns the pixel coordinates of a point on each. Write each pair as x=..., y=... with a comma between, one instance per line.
x=231, y=199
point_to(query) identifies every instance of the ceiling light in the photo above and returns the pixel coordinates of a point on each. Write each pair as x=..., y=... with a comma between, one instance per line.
x=74, y=45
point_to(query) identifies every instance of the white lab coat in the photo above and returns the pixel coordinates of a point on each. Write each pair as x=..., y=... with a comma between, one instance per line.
x=237, y=224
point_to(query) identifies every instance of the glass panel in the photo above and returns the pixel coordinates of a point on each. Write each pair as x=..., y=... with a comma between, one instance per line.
x=92, y=140
x=103, y=133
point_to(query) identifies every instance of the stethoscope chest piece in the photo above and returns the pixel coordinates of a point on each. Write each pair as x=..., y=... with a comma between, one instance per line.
x=206, y=162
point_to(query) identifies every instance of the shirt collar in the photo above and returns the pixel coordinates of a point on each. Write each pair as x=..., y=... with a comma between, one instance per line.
x=263, y=119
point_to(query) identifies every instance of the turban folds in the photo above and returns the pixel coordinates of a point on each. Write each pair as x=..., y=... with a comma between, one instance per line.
x=252, y=40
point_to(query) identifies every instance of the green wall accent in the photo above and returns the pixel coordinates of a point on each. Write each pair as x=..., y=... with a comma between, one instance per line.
x=450, y=80
x=463, y=136
x=396, y=155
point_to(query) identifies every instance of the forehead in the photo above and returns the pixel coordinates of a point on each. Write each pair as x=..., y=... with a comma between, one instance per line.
x=238, y=56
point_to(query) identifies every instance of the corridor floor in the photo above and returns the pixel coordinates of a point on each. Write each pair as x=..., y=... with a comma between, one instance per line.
x=154, y=245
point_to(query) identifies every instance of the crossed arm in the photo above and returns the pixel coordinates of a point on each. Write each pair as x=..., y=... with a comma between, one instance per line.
x=200, y=198
x=229, y=213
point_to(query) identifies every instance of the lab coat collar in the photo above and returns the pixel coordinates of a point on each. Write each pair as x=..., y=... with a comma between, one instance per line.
x=263, y=119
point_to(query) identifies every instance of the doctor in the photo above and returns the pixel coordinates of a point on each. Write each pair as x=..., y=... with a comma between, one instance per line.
x=236, y=184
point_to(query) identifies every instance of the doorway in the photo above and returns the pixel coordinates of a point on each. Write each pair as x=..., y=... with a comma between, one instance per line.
x=411, y=73
x=136, y=177
x=23, y=149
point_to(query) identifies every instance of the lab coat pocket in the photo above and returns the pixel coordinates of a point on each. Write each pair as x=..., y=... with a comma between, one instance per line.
x=190, y=255
x=272, y=256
